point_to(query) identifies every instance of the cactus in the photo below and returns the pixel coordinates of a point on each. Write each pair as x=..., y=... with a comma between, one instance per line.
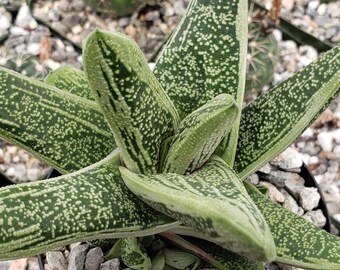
x=26, y=64
x=120, y=7
x=262, y=55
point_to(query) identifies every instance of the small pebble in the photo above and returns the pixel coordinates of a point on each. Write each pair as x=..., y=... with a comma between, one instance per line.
x=316, y=217
x=309, y=198
x=94, y=258
x=56, y=260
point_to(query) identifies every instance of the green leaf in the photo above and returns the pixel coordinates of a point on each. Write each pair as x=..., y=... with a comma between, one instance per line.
x=212, y=253
x=298, y=242
x=115, y=251
x=71, y=80
x=200, y=133
x=212, y=201
x=180, y=259
x=89, y=204
x=134, y=255
x=205, y=57
x=66, y=131
x=274, y=120
x=137, y=109
x=158, y=262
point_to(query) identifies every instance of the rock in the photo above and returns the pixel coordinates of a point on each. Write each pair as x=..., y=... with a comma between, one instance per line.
x=33, y=174
x=333, y=9
x=20, y=264
x=179, y=8
x=56, y=260
x=336, y=151
x=34, y=48
x=24, y=18
x=5, y=23
x=2, y=155
x=336, y=38
x=330, y=32
x=4, y=265
x=77, y=29
x=111, y=265
x=309, y=198
x=295, y=186
x=253, y=179
x=265, y=169
x=336, y=135
x=322, y=9
x=289, y=160
x=279, y=178
x=315, y=217
x=288, y=4
x=77, y=257
x=152, y=16
x=300, y=212
x=307, y=54
x=290, y=203
x=313, y=4
x=59, y=56
x=94, y=258
x=53, y=15
x=325, y=140
x=18, y=31
x=273, y=193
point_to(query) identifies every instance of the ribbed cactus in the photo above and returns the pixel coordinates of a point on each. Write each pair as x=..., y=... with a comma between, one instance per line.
x=262, y=55
x=28, y=65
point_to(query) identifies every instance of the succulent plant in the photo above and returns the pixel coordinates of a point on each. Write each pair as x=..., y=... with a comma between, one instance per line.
x=163, y=152
x=262, y=53
x=119, y=7
x=26, y=64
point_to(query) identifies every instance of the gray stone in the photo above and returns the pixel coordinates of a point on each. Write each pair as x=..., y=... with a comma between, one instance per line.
x=56, y=260
x=77, y=257
x=290, y=203
x=330, y=32
x=325, y=140
x=53, y=15
x=295, y=186
x=59, y=56
x=273, y=193
x=336, y=38
x=24, y=18
x=254, y=179
x=309, y=198
x=289, y=160
x=5, y=265
x=111, y=265
x=33, y=174
x=265, y=169
x=94, y=258
x=279, y=178
x=315, y=217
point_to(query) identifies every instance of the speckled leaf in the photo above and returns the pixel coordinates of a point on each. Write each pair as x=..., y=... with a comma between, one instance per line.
x=134, y=255
x=138, y=110
x=298, y=242
x=66, y=131
x=71, y=80
x=200, y=133
x=205, y=57
x=213, y=201
x=89, y=204
x=216, y=255
x=181, y=259
x=274, y=120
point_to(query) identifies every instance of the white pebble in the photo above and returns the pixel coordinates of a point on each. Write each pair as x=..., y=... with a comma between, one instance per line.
x=34, y=48
x=309, y=198
x=33, y=174
x=325, y=140
x=316, y=217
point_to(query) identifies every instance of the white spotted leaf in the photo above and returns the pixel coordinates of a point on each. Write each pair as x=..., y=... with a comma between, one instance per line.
x=90, y=204
x=298, y=242
x=213, y=201
x=66, y=131
x=274, y=120
x=199, y=134
x=137, y=109
x=71, y=80
x=205, y=57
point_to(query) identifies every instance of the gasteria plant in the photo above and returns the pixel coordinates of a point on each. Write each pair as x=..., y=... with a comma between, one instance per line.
x=183, y=148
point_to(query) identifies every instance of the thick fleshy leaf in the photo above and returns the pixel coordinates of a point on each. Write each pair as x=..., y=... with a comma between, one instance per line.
x=213, y=201
x=134, y=255
x=89, y=204
x=205, y=57
x=274, y=120
x=137, y=109
x=216, y=255
x=298, y=242
x=200, y=133
x=71, y=80
x=66, y=131
x=180, y=259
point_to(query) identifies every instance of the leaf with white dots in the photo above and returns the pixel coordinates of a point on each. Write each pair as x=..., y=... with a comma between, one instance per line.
x=71, y=80
x=213, y=201
x=298, y=242
x=86, y=205
x=137, y=109
x=66, y=131
x=205, y=57
x=134, y=254
x=274, y=120
x=200, y=133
